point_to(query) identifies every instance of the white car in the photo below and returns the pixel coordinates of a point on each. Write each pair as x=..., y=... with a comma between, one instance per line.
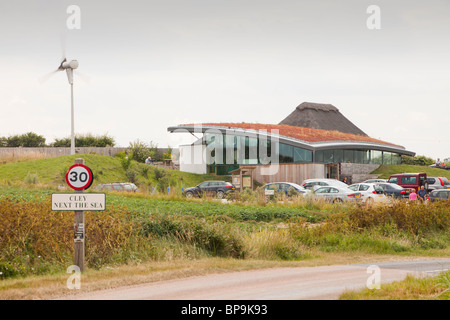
x=376, y=181
x=311, y=183
x=335, y=194
x=370, y=192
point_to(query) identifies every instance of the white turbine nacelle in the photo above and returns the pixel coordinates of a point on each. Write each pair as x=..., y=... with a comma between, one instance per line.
x=73, y=64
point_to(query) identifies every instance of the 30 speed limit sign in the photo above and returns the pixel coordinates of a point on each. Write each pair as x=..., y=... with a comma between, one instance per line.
x=79, y=177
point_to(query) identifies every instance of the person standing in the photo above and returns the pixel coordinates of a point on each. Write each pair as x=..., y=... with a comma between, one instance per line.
x=413, y=195
x=422, y=193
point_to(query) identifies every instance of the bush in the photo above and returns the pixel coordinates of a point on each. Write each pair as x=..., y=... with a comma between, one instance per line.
x=398, y=227
x=216, y=238
x=131, y=175
x=141, y=150
x=29, y=139
x=87, y=140
x=417, y=160
x=32, y=178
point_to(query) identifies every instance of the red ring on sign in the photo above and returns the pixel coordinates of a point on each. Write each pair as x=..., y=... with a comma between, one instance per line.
x=88, y=181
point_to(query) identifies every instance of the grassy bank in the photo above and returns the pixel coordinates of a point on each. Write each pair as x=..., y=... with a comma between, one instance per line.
x=411, y=288
x=50, y=173
x=36, y=241
x=147, y=232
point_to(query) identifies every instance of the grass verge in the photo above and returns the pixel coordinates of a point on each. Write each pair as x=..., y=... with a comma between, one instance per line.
x=411, y=288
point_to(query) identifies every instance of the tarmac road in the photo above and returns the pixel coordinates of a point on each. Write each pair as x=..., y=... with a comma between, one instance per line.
x=320, y=283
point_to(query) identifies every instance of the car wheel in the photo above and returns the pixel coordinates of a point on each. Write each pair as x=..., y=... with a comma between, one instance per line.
x=337, y=200
x=369, y=201
x=189, y=194
x=220, y=194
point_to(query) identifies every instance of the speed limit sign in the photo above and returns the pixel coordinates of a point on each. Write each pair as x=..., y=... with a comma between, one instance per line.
x=79, y=177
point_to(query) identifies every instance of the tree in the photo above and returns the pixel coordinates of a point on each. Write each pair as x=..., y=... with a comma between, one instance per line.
x=87, y=140
x=29, y=139
x=417, y=160
x=141, y=150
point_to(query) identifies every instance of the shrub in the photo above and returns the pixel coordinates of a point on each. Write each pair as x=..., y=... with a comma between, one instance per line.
x=125, y=161
x=397, y=227
x=274, y=244
x=32, y=178
x=417, y=160
x=141, y=150
x=29, y=139
x=86, y=140
x=216, y=238
x=131, y=175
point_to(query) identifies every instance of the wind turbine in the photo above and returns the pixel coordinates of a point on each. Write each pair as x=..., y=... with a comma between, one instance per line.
x=69, y=66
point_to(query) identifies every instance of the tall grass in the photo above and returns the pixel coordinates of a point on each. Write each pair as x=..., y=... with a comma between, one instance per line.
x=36, y=240
x=397, y=227
x=14, y=157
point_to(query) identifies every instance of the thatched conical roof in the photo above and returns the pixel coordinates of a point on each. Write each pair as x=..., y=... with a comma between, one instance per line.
x=321, y=116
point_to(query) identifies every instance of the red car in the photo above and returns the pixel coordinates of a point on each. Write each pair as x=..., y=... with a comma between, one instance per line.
x=410, y=180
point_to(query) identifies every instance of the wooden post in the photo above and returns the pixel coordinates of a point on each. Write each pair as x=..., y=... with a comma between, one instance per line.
x=79, y=232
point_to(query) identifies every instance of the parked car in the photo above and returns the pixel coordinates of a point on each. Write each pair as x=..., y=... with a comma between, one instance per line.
x=441, y=194
x=288, y=188
x=210, y=188
x=410, y=180
x=394, y=190
x=117, y=186
x=370, y=192
x=436, y=183
x=375, y=181
x=310, y=183
x=335, y=194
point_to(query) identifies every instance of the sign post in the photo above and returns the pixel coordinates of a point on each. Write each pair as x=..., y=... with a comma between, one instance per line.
x=79, y=177
x=79, y=225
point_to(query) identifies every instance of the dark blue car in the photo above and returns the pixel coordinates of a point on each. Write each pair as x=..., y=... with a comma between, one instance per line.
x=394, y=190
x=210, y=188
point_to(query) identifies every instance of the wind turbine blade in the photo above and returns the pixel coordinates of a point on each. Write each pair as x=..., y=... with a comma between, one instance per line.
x=85, y=78
x=63, y=48
x=45, y=78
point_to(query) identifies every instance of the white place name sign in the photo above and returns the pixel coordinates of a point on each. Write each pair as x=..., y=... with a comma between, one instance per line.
x=78, y=201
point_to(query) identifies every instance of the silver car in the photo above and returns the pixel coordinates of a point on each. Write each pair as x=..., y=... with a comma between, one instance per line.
x=436, y=183
x=375, y=181
x=311, y=183
x=335, y=194
x=370, y=192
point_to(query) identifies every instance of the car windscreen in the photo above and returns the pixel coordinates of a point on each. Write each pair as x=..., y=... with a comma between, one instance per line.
x=443, y=195
x=394, y=186
x=393, y=180
x=378, y=189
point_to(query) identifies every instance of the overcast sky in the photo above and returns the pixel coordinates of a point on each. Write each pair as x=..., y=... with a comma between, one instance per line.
x=155, y=64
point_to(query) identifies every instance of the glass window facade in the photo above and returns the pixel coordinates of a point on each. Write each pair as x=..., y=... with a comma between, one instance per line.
x=226, y=152
x=357, y=156
x=236, y=150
